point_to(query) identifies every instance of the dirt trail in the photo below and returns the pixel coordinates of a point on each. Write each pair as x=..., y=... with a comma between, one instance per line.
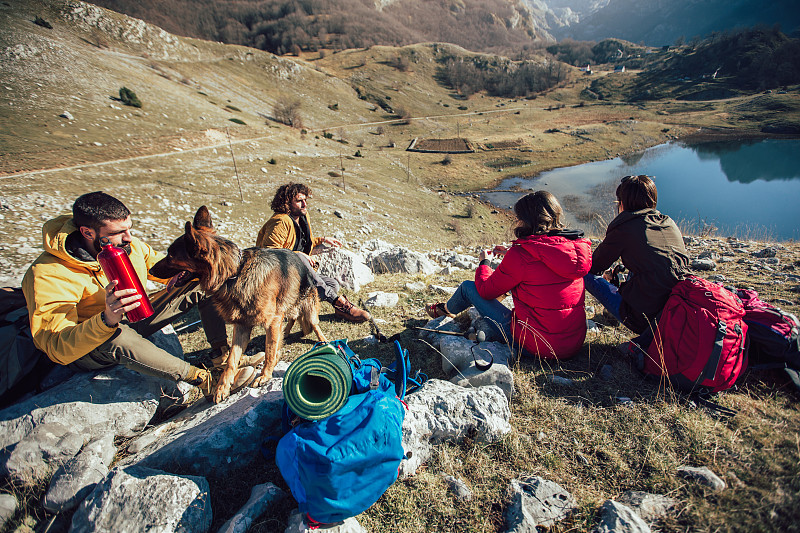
x=242, y=141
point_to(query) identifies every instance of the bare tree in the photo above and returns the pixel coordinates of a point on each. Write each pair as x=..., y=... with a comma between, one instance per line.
x=287, y=111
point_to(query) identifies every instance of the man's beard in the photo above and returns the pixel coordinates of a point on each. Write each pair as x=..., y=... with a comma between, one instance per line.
x=126, y=246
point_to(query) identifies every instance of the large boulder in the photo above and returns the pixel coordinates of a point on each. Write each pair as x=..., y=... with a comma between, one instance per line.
x=143, y=499
x=440, y=411
x=261, y=498
x=213, y=438
x=86, y=407
x=400, y=260
x=73, y=481
x=346, y=267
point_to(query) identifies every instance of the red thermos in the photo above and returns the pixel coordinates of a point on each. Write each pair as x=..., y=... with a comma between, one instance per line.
x=117, y=266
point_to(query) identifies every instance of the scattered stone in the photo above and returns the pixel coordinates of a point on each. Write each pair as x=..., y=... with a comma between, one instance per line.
x=559, y=380
x=297, y=524
x=734, y=480
x=591, y=327
x=703, y=264
x=649, y=507
x=382, y=299
x=449, y=270
x=67, y=115
x=346, y=267
x=261, y=498
x=537, y=502
x=438, y=289
x=769, y=251
x=8, y=507
x=708, y=254
x=338, y=213
x=133, y=499
x=264, y=170
x=459, y=489
x=717, y=277
x=498, y=374
x=442, y=412
x=703, y=475
x=459, y=353
x=401, y=260
x=226, y=203
x=73, y=481
x=417, y=286
x=618, y=518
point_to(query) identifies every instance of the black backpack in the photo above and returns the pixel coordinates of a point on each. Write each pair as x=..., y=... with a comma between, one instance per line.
x=22, y=365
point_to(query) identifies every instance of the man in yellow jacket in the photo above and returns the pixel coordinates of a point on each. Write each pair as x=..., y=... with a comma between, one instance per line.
x=289, y=228
x=76, y=316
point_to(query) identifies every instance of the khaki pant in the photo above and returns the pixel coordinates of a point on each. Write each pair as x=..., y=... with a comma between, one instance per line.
x=129, y=347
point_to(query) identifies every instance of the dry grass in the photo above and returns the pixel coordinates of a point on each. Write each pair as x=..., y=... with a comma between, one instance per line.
x=578, y=436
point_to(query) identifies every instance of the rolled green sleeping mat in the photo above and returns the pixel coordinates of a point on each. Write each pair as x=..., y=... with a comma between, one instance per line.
x=317, y=384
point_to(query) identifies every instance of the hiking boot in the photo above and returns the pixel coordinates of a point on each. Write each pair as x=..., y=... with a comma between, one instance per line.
x=438, y=309
x=344, y=309
x=220, y=360
x=206, y=382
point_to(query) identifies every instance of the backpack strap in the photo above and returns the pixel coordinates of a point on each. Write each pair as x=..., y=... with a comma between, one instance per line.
x=710, y=369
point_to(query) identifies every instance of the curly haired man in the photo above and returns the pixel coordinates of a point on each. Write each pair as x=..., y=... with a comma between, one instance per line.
x=289, y=228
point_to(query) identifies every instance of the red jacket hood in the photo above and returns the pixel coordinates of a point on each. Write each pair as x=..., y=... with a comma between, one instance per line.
x=567, y=257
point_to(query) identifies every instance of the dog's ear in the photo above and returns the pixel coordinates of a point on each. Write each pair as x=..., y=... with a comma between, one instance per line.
x=202, y=219
x=196, y=241
x=190, y=238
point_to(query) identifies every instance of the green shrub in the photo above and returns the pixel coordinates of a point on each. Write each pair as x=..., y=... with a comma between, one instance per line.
x=233, y=108
x=272, y=161
x=129, y=97
x=358, y=153
x=327, y=135
x=238, y=121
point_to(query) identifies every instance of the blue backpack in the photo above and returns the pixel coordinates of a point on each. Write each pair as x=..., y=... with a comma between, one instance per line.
x=338, y=466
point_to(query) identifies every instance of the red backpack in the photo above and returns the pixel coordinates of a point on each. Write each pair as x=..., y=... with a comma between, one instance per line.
x=700, y=338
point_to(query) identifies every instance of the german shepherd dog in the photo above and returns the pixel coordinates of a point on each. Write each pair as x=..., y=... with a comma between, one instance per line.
x=248, y=287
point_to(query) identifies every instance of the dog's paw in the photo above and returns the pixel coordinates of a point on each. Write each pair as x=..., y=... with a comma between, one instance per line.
x=260, y=381
x=221, y=394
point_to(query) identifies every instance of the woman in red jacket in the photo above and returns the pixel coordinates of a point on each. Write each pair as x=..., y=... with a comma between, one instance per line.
x=543, y=269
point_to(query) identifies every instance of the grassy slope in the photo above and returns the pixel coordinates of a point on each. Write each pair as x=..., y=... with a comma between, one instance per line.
x=579, y=436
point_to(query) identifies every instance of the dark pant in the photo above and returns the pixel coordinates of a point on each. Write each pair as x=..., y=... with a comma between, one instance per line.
x=499, y=315
x=328, y=288
x=129, y=347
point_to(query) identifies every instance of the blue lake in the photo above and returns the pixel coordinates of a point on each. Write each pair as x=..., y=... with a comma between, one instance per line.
x=747, y=189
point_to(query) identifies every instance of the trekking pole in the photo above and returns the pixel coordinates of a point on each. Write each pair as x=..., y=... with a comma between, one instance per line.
x=480, y=336
x=236, y=170
x=187, y=326
x=378, y=335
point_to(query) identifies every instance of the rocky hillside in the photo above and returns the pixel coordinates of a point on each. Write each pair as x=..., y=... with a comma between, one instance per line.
x=282, y=26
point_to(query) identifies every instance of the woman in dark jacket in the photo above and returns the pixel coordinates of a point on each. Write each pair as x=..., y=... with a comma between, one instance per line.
x=543, y=270
x=651, y=248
